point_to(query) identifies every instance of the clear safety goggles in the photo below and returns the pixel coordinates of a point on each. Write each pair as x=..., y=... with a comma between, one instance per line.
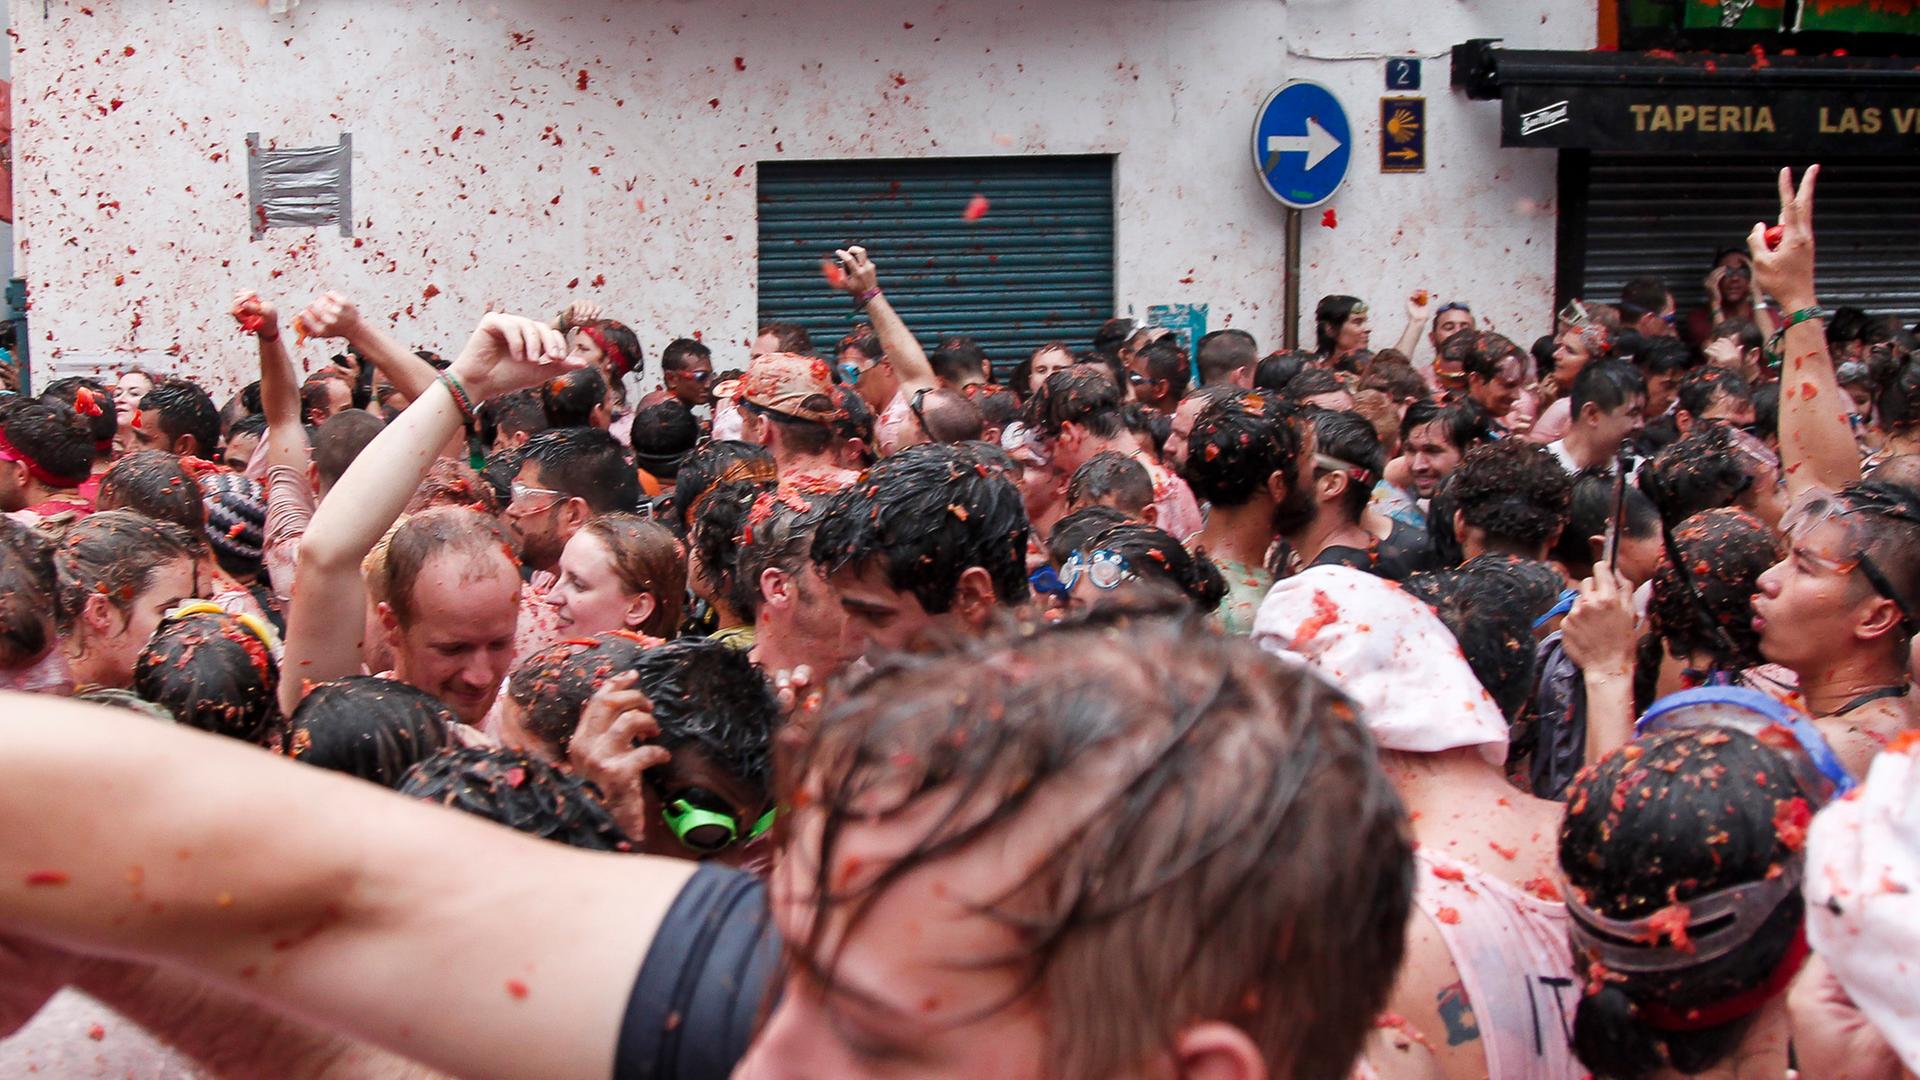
x=1850, y=509
x=1105, y=569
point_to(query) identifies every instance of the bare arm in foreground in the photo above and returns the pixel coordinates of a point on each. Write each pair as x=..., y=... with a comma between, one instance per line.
x=445, y=939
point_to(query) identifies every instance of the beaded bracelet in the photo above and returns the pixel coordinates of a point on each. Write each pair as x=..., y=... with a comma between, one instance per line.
x=461, y=400
x=860, y=302
x=1807, y=314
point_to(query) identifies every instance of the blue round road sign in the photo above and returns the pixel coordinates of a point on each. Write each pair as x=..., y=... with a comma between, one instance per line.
x=1302, y=144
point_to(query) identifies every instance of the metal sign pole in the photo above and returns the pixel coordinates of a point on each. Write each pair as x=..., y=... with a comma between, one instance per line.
x=1291, y=333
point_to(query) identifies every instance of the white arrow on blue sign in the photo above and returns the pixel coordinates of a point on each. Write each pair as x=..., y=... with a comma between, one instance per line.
x=1302, y=144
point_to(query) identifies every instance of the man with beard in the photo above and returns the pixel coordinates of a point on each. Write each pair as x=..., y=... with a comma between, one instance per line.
x=1433, y=439
x=1250, y=456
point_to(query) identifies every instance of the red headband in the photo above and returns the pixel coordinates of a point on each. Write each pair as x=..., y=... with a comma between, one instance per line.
x=8, y=452
x=1669, y=1018
x=622, y=363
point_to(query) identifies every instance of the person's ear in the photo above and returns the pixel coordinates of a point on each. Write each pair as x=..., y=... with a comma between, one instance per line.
x=1683, y=422
x=1553, y=541
x=101, y=618
x=1459, y=525
x=1596, y=546
x=1333, y=485
x=854, y=451
x=974, y=597
x=1881, y=618
x=1072, y=434
x=313, y=477
x=1242, y=377
x=1150, y=514
x=187, y=446
x=389, y=622
x=575, y=512
x=1214, y=1050
x=518, y=439
x=776, y=588
x=640, y=611
x=1277, y=487
x=1590, y=414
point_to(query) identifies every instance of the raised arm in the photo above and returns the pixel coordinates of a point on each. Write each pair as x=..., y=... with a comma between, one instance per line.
x=286, y=441
x=334, y=316
x=1599, y=636
x=1418, y=305
x=328, y=615
x=862, y=282
x=442, y=938
x=1816, y=443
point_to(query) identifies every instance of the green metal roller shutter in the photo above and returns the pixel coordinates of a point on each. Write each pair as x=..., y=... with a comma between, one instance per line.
x=1664, y=215
x=1038, y=267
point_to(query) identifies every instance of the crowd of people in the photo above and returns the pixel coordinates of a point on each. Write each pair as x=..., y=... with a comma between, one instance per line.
x=1458, y=709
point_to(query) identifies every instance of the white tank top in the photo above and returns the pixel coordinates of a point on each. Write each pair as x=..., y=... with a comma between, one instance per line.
x=1515, y=966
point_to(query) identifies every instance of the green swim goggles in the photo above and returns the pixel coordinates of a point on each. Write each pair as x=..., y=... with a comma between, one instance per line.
x=697, y=818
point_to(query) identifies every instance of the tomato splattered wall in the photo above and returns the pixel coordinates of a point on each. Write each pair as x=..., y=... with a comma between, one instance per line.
x=523, y=153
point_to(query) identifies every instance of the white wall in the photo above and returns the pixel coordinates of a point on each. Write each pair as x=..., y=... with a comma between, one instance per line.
x=635, y=185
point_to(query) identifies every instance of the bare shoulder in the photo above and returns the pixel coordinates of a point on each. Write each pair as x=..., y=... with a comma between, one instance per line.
x=1861, y=734
x=1429, y=1010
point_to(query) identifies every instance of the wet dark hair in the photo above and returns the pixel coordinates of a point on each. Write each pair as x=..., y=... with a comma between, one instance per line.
x=959, y=358
x=315, y=398
x=1515, y=490
x=1223, y=352
x=702, y=469
x=1662, y=356
x=791, y=337
x=182, y=408
x=1077, y=529
x=569, y=400
x=154, y=483
x=1237, y=442
x=587, y=464
x=26, y=593
x=718, y=523
x=113, y=553
x=1590, y=514
x=1654, y=824
x=1173, y=887
x=1846, y=324
x=339, y=441
x=1112, y=334
x=1463, y=423
x=1766, y=411
x=213, y=673
x=927, y=514
x=1699, y=389
x=1156, y=557
x=252, y=424
x=852, y=419
x=1745, y=331
x=1605, y=384
x=522, y=410
x=369, y=727
x=519, y=791
x=779, y=536
x=1348, y=437
x=1394, y=377
x=1311, y=381
x=1886, y=518
x=704, y=693
x=1641, y=297
x=1709, y=608
x=103, y=426
x=663, y=434
x=1082, y=395
x=621, y=338
x=1276, y=370
x=1705, y=470
x=1334, y=310
x=1110, y=475
x=1167, y=362
x=1486, y=352
x=52, y=434
x=681, y=352
x=1490, y=619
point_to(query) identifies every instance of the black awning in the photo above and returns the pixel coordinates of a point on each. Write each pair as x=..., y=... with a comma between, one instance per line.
x=1695, y=102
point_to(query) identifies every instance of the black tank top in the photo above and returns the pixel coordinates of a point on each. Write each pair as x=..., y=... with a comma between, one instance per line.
x=698, y=997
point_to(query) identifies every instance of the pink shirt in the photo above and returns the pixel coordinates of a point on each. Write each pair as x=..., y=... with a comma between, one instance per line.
x=1178, y=512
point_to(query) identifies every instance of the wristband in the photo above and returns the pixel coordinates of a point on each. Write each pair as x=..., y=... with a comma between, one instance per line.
x=860, y=302
x=460, y=399
x=1806, y=314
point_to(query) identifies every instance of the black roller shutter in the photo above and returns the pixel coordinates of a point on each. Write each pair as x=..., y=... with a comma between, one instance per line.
x=1664, y=216
x=1036, y=268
